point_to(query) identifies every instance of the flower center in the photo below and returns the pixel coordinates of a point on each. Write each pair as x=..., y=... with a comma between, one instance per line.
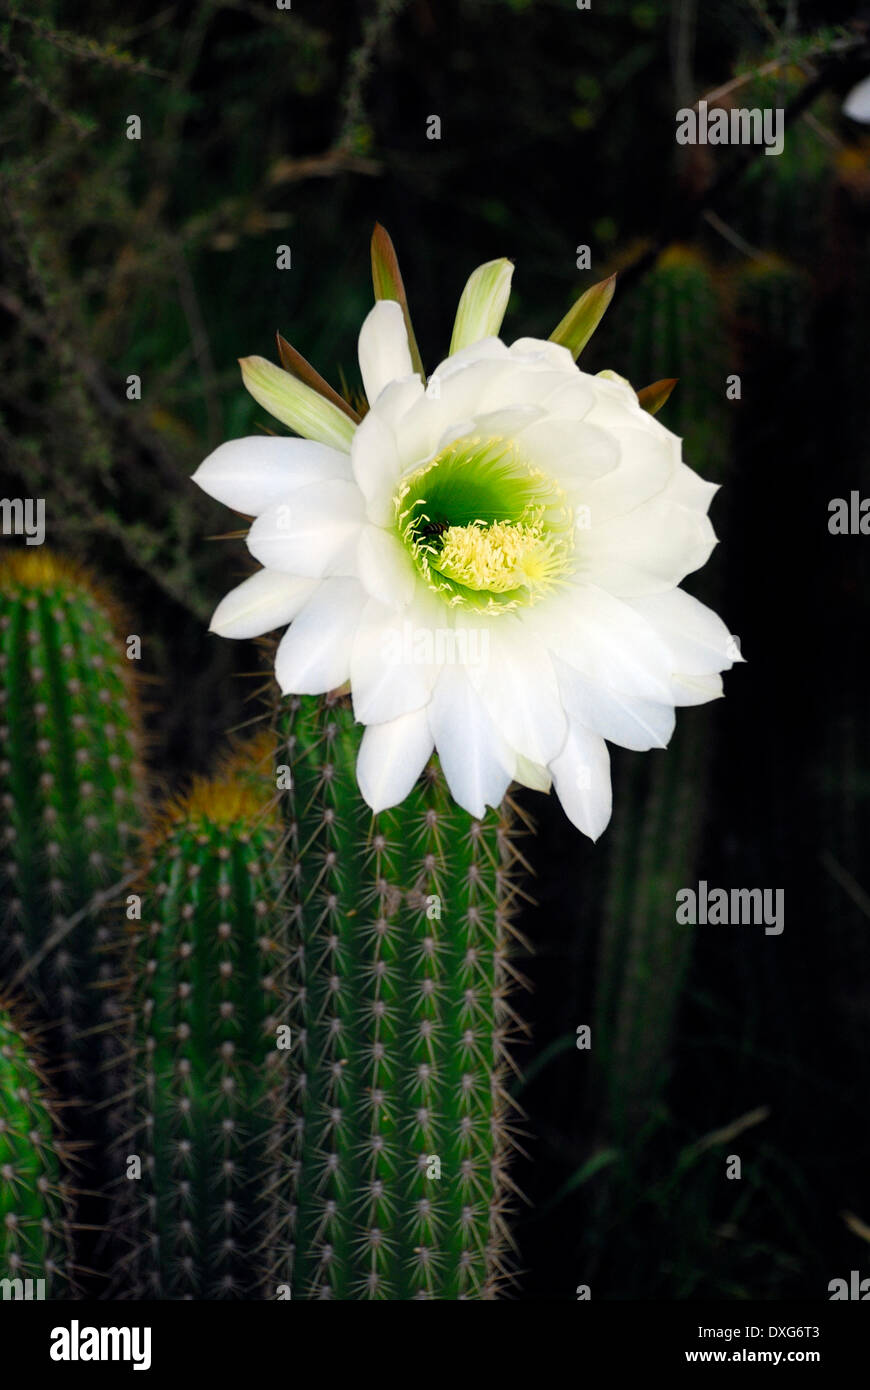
x=486, y=529
x=498, y=557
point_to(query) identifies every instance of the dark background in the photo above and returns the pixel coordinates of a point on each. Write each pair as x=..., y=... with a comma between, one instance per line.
x=263, y=127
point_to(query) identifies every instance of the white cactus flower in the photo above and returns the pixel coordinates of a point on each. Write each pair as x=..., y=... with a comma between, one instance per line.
x=491, y=561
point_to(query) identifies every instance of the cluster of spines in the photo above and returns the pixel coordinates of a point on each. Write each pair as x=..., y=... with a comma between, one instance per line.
x=205, y=998
x=401, y=970
x=35, y=1204
x=71, y=780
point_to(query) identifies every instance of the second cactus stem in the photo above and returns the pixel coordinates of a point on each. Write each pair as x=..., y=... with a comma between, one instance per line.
x=71, y=785
x=402, y=1023
x=207, y=1041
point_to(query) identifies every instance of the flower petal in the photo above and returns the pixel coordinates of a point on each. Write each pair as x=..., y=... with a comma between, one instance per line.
x=313, y=533
x=384, y=355
x=261, y=603
x=251, y=474
x=391, y=673
x=487, y=349
x=571, y=451
x=391, y=758
x=646, y=551
x=689, y=490
x=622, y=719
x=545, y=352
x=376, y=466
x=313, y=656
x=385, y=568
x=474, y=758
x=518, y=688
x=699, y=642
x=295, y=404
x=581, y=777
x=607, y=641
x=533, y=775
x=646, y=466
x=696, y=690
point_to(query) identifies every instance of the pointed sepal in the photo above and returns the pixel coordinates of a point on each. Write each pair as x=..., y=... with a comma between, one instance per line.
x=653, y=397
x=581, y=321
x=293, y=362
x=482, y=304
x=296, y=404
x=388, y=284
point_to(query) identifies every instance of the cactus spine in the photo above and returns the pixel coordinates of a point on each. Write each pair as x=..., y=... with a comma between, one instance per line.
x=402, y=1021
x=34, y=1205
x=70, y=777
x=205, y=1008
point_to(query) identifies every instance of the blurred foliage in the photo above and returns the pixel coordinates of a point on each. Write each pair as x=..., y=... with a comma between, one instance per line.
x=157, y=258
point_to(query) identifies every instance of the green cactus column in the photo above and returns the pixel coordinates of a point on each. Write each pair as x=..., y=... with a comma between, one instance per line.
x=71, y=779
x=34, y=1202
x=205, y=1012
x=401, y=1027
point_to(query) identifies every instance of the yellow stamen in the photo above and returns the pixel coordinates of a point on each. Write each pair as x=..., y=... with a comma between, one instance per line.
x=506, y=555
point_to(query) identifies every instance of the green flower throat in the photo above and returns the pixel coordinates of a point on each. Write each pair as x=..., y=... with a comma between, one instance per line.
x=486, y=530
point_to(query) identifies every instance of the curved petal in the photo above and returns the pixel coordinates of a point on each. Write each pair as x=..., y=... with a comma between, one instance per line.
x=699, y=642
x=690, y=490
x=647, y=551
x=384, y=355
x=313, y=533
x=376, y=466
x=261, y=603
x=475, y=760
x=544, y=351
x=486, y=349
x=646, y=466
x=696, y=690
x=518, y=688
x=581, y=777
x=252, y=474
x=385, y=568
x=533, y=775
x=495, y=383
x=571, y=451
x=392, y=669
x=617, y=406
x=623, y=719
x=607, y=641
x=313, y=656
x=391, y=758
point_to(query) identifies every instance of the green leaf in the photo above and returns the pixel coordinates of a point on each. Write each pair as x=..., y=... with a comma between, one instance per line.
x=387, y=282
x=581, y=321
